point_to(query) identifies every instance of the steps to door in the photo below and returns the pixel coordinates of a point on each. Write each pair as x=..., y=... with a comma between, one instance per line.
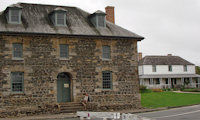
x=70, y=107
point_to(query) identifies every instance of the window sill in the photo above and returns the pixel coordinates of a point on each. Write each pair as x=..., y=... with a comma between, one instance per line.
x=106, y=59
x=17, y=58
x=63, y=58
x=17, y=93
x=106, y=89
x=15, y=23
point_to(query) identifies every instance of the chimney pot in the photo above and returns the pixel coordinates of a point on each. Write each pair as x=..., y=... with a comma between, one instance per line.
x=110, y=11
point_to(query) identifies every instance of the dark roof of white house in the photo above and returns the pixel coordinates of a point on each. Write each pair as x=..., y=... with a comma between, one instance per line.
x=164, y=60
x=35, y=19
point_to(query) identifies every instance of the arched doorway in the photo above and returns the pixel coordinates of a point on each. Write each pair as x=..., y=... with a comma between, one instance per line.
x=64, y=87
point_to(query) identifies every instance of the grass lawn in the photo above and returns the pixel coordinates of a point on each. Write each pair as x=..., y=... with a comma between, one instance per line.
x=168, y=99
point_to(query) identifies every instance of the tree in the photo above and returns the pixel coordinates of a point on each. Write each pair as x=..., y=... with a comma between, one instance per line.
x=197, y=70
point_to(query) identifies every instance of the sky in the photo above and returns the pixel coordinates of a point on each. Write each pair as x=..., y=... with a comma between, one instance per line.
x=169, y=26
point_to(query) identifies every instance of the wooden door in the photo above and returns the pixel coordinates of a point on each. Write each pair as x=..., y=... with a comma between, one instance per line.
x=63, y=89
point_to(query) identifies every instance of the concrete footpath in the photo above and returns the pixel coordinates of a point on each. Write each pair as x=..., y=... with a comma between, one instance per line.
x=72, y=116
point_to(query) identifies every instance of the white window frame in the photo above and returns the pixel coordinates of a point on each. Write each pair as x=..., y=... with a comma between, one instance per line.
x=10, y=16
x=67, y=50
x=56, y=18
x=13, y=51
x=154, y=69
x=15, y=82
x=185, y=68
x=170, y=66
x=106, y=52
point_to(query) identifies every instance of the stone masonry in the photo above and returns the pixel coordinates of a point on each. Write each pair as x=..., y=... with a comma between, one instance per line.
x=41, y=65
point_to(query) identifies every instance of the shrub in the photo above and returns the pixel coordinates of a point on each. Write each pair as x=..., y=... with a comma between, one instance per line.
x=174, y=89
x=191, y=90
x=143, y=89
x=182, y=88
x=157, y=90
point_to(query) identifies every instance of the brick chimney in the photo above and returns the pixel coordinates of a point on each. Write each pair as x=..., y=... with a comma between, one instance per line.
x=169, y=54
x=110, y=14
x=139, y=56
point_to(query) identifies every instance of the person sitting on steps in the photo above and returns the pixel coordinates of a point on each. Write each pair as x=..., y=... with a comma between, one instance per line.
x=85, y=100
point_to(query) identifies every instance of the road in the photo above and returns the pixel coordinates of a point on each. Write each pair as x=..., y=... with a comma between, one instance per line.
x=184, y=113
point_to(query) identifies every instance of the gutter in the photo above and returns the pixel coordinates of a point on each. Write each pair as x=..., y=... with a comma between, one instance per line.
x=70, y=35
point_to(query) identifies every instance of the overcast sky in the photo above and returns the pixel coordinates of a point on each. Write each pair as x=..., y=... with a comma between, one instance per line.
x=169, y=26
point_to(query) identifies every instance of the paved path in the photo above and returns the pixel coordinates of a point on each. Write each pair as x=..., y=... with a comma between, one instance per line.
x=184, y=113
x=187, y=92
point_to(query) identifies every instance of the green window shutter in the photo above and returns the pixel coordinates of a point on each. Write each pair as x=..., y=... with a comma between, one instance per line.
x=64, y=50
x=107, y=79
x=17, y=50
x=106, y=52
x=17, y=81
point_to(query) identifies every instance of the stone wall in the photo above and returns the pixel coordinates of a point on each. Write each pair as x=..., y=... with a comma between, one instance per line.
x=41, y=65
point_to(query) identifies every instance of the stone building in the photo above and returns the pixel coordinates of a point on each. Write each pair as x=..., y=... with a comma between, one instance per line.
x=52, y=55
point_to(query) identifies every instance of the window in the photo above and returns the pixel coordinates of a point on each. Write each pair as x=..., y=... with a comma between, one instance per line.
x=107, y=79
x=98, y=19
x=64, y=50
x=150, y=81
x=175, y=81
x=170, y=68
x=15, y=16
x=166, y=81
x=157, y=81
x=17, y=79
x=101, y=21
x=106, y=52
x=185, y=68
x=154, y=68
x=60, y=19
x=186, y=81
x=17, y=50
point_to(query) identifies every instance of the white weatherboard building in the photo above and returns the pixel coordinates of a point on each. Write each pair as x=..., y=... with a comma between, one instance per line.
x=167, y=72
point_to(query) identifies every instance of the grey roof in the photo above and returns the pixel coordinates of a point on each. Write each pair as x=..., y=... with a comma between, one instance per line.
x=170, y=76
x=164, y=60
x=15, y=5
x=35, y=19
x=100, y=12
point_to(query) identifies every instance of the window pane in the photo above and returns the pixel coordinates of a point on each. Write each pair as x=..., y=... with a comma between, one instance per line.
x=17, y=81
x=106, y=52
x=14, y=18
x=154, y=68
x=107, y=80
x=14, y=15
x=101, y=20
x=60, y=15
x=185, y=68
x=60, y=21
x=17, y=50
x=64, y=50
x=170, y=68
x=60, y=18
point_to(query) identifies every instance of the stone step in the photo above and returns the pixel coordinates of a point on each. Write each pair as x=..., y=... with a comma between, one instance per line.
x=71, y=107
x=73, y=104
